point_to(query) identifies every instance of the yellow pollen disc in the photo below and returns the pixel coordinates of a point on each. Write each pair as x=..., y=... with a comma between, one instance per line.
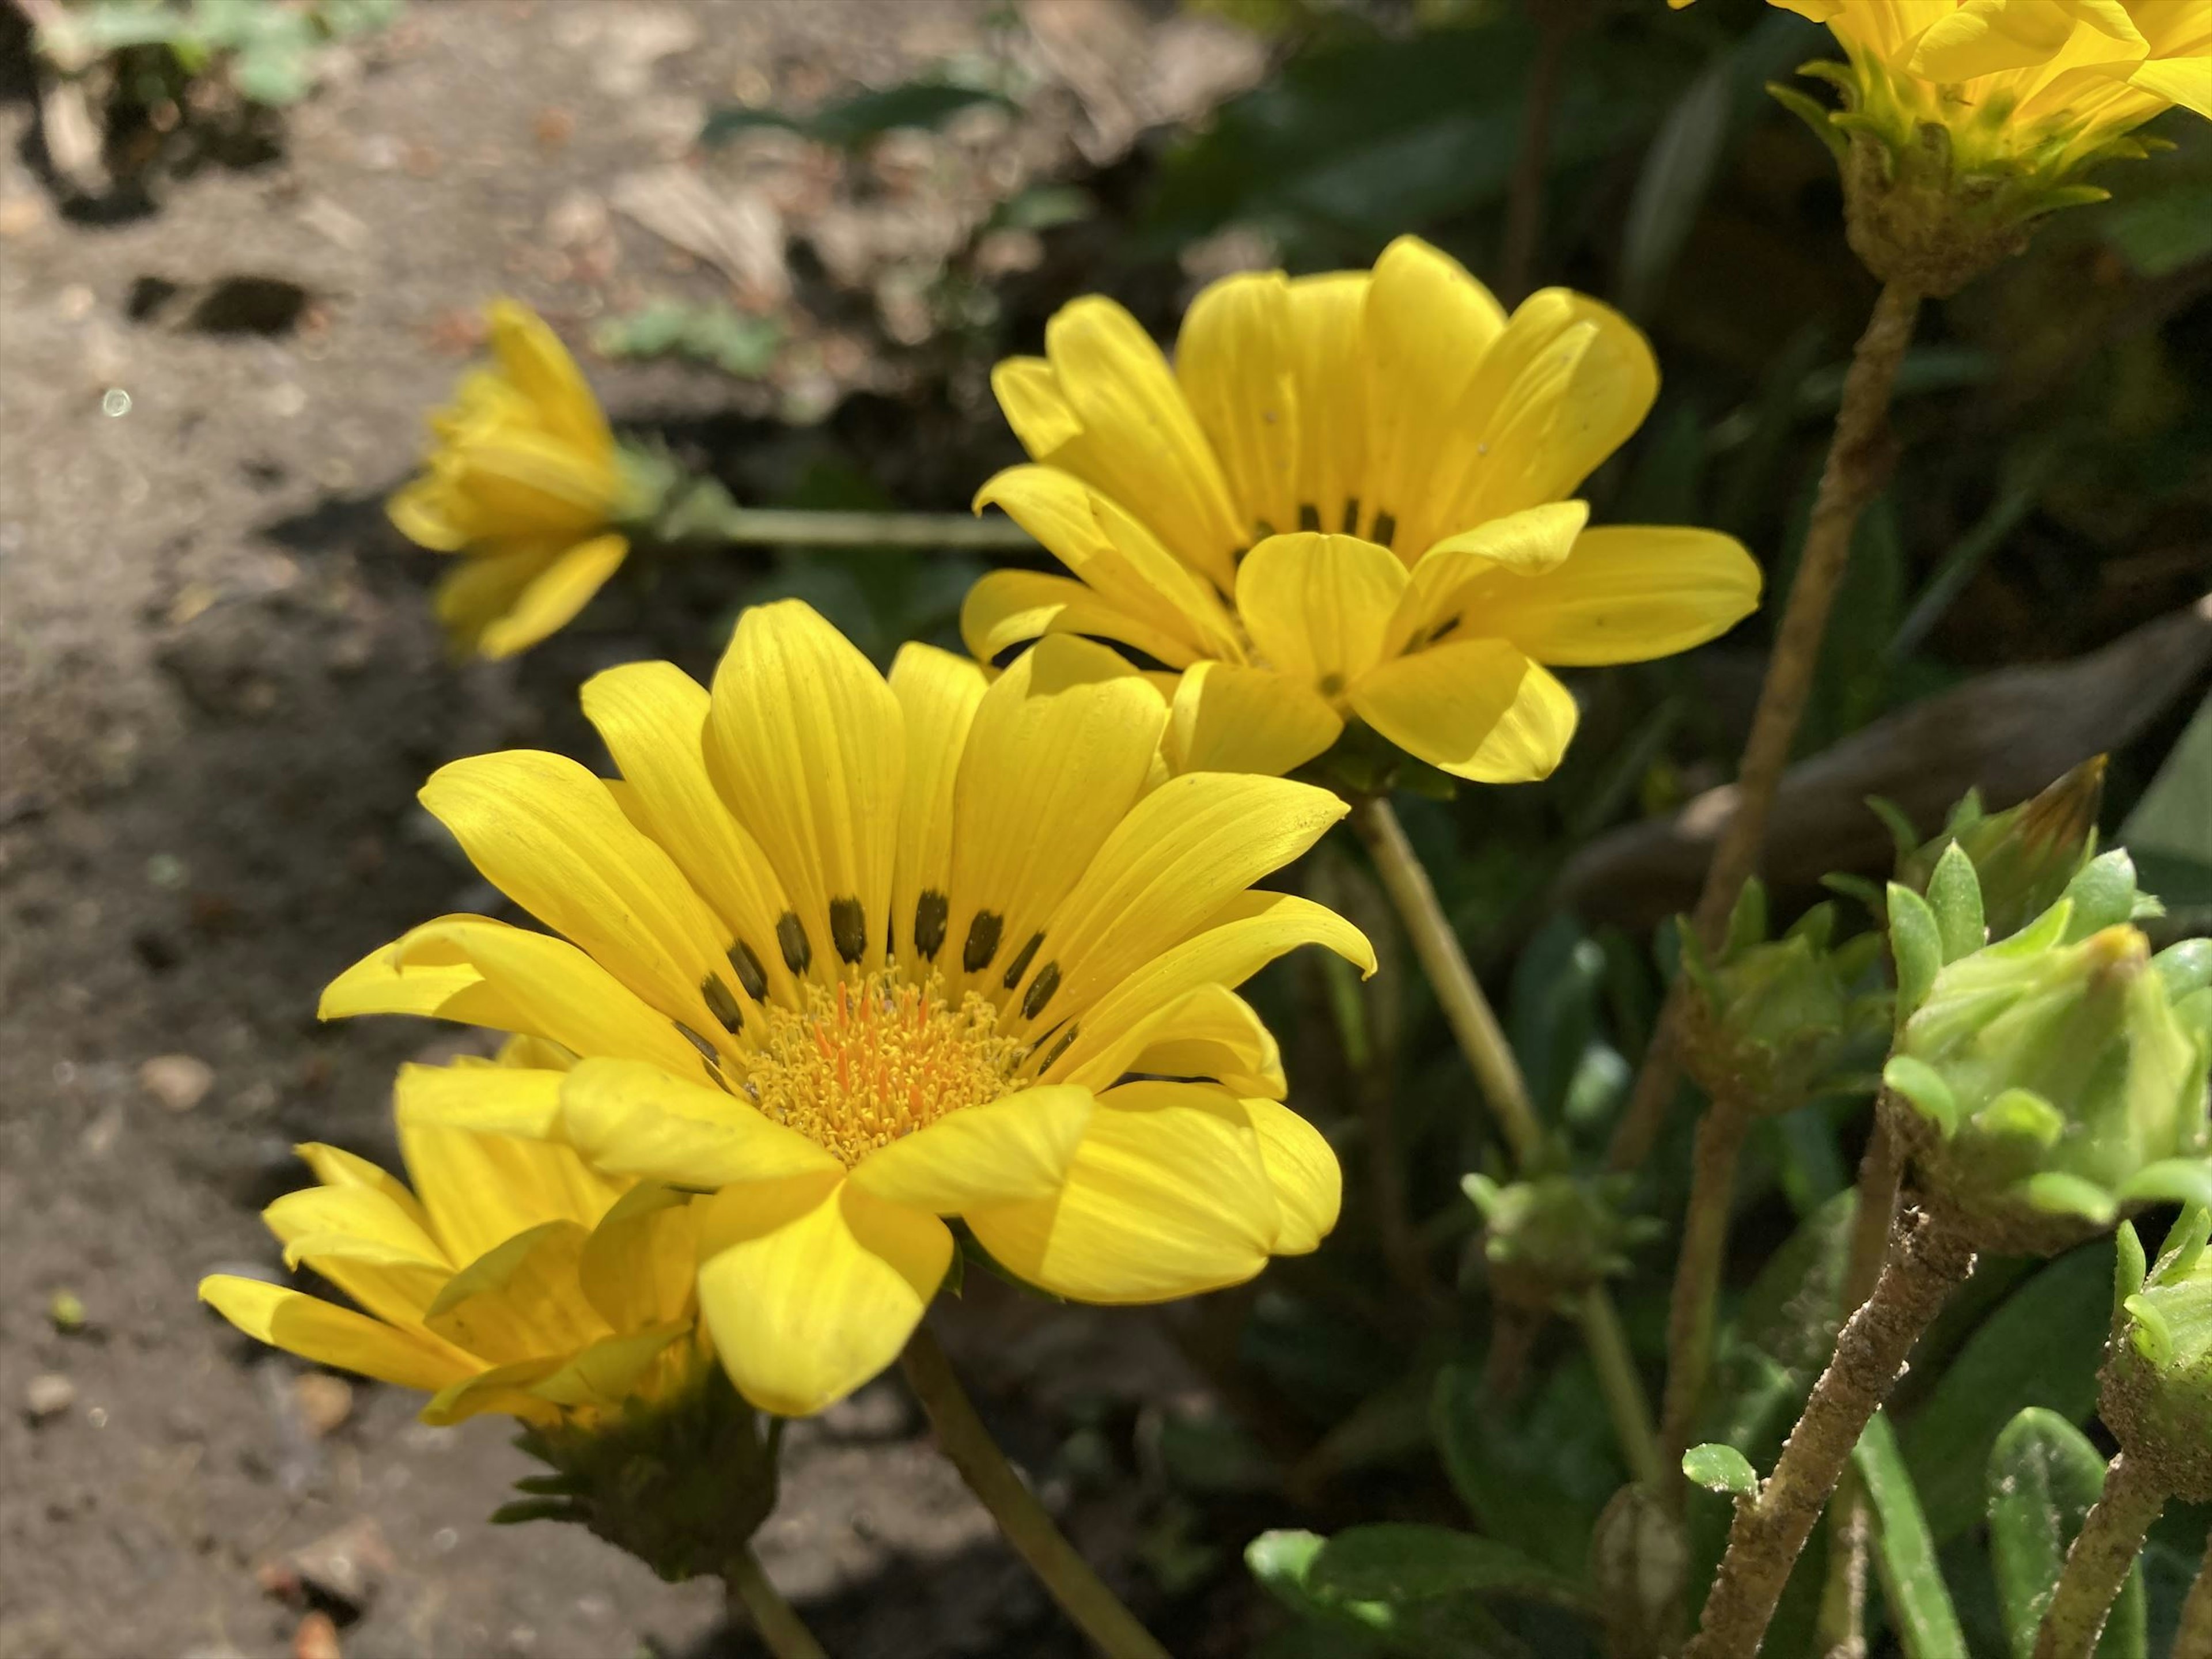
x=876, y=1059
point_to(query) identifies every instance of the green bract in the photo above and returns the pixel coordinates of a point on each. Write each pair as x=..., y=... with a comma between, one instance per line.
x=2047, y=1085
x=2157, y=1395
x=1549, y=1238
x=2022, y=857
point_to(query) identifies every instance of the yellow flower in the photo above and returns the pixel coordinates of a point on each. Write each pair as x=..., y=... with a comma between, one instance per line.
x=513, y=1278
x=523, y=481
x=1348, y=498
x=854, y=956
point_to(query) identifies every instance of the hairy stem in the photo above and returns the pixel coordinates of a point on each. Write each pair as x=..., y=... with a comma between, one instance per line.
x=1482, y=1040
x=1082, y=1594
x=1927, y=1261
x=2110, y=1538
x=1854, y=471
x=1697, y=1280
x=772, y=1617
x=2193, y=1640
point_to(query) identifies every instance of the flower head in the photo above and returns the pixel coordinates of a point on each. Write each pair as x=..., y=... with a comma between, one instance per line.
x=2024, y=856
x=1348, y=498
x=2157, y=1392
x=856, y=956
x=1964, y=119
x=512, y=1278
x=2051, y=1082
x=524, y=482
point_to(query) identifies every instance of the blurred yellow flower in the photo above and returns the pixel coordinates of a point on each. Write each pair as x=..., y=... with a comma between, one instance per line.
x=1348, y=498
x=2042, y=82
x=523, y=480
x=513, y=1278
x=855, y=955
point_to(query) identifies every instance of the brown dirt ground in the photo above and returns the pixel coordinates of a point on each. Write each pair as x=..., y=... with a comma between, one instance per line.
x=218, y=690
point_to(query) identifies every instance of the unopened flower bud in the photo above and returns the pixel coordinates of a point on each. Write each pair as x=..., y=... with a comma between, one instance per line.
x=2023, y=856
x=1548, y=1239
x=2048, y=1083
x=2157, y=1392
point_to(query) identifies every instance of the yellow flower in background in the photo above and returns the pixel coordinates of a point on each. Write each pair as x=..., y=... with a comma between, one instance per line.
x=524, y=482
x=513, y=1278
x=857, y=955
x=1348, y=497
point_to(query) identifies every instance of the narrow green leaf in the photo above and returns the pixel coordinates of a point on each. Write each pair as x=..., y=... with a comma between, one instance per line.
x=1401, y=1563
x=2043, y=1474
x=1954, y=894
x=1921, y=1085
x=1679, y=164
x=2104, y=894
x=1718, y=1467
x=1911, y=1581
x=1916, y=944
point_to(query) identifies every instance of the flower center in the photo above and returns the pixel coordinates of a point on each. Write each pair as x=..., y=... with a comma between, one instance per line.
x=876, y=1059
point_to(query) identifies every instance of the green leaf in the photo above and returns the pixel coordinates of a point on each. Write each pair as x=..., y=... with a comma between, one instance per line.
x=1718, y=1467
x=2044, y=1475
x=1537, y=1473
x=2104, y=894
x=1921, y=1085
x=1399, y=1563
x=2174, y=817
x=2041, y=1347
x=1954, y=894
x=1912, y=1582
x=1679, y=166
x=1916, y=944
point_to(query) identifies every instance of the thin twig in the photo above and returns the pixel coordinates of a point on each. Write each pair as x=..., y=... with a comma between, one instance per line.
x=1082, y=1594
x=1625, y=1400
x=1841, y=1630
x=2193, y=1640
x=774, y=1619
x=1848, y=482
x=1927, y=1261
x=1697, y=1280
x=1558, y=21
x=2110, y=1538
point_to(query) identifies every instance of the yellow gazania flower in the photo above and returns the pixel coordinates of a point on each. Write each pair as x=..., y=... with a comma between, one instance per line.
x=523, y=481
x=513, y=1278
x=856, y=955
x=1394, y=452
x=2015, y=79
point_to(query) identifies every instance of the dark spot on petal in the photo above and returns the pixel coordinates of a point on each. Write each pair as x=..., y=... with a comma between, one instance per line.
x=1263, y=529
x=982, y=941
x=1058, y=1048
x=751, y=974
x=1443, y=629
x=848, y=929
x=930, y=912
x=791, y=934
x=1386, y=528
x=1020, y=964
x=706, y=1049
x=1331, y=684
x=1048, y=981
x=1352, y=515
x=722, y=1003
x=1309, y=516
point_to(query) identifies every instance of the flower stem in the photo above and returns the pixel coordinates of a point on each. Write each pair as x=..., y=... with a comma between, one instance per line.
x=1082, y=1597
x=1927, y=1261
x=1854, y=471
x=776, y=526
x=775, y=1619
x=1482, y=1040
x=2193, y=1640
x=1697, y=1279
x=2112, y=1536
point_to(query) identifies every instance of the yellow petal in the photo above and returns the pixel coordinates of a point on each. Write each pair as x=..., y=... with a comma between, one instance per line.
x=1426, y=326
x=1328, y=348
x=1182, y=853
x=1319, y=606
x=1229, y=717
x=482, y=587
x=1008, y=608
x=1987, y=37
x=811, y=1286
x=490, y=1100
x=1234, y=363
x=1167, y=1196
x=522, y=481
x=1140, y=443
x=607, y=1373
x=1061, y=747
x=504, y=1389
x=552, y=599
x=1244, y=936
x=380, y=983
x=808, y=747
x=330, y=1335
x=652, y=717
x=1213, y=1033
x=938, y=693
x=333, y=1166
x=1015, y=1147
x=634, y=1120
x=640, y=1266
x=1477, y=709
x=1303, y=1170
x=1452, y=578
x=1029, y=397
x=539, y=366
x=1627, y=594
x=521, y=1299
x=547, y=834
x=366, y=1244
x=2184, y=80
x=422, y=511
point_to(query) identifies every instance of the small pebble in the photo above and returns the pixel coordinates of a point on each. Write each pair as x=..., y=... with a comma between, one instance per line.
x=67, y=1310
x=178, y=1082
x=316, y=1637
x=50, y=1394
x=326, y=1402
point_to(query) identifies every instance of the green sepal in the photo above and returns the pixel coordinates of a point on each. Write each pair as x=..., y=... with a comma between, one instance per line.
x=2171, y=1180
x=1916, y=944
x=2104, y=894
x=2152, y=1336
x=2185, y=967
x=1747, y=924
x=2056, y=1193
x=536, y=1508
x=2130, y=1265
x=1921, y=1086
x=1954, y=894
x=2023, y=1114
x=1813, y=113
x=1902, y=829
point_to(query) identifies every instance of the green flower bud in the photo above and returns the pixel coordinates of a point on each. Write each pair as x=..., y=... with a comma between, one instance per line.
x=1548, y=1239
x=680, y=1482
x=2047, y=1085
x=2024, y=856
x=2157, y=1392
x=1769, y=1021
